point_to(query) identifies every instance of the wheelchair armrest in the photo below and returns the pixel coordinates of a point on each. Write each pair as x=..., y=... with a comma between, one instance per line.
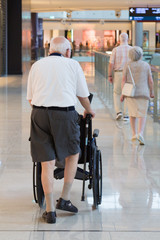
x=95, y=132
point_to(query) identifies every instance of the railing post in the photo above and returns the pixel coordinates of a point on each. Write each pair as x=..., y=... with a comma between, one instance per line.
x=155, y=111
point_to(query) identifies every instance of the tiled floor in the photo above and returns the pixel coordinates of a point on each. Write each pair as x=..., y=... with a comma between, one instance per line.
x=131, y=177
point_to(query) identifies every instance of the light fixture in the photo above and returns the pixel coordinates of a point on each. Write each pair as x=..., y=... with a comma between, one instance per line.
x=63, y=21
x=101, y=21
x=69, y=14
x=118, y=13
x=52, y=17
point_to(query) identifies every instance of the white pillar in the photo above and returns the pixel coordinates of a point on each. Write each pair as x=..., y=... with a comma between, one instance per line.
x=137, y=33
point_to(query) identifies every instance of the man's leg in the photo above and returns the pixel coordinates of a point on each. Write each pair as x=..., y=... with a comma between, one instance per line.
x=64, y=202
x=117, y=103
x=69, y=174
x=117, y=94
x=47, y=183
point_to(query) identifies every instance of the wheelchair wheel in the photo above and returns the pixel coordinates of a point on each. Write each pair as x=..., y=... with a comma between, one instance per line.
x=99, y=175
x=94, y=178
x=37, y=184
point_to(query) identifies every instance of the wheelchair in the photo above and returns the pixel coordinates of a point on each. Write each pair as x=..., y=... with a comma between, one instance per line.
x=90, y=156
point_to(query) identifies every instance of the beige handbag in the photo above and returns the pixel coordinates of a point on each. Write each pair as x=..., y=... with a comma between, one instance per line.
x=129, y=88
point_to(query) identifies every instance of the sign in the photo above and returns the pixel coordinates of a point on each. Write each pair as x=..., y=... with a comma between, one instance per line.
x=144, y=14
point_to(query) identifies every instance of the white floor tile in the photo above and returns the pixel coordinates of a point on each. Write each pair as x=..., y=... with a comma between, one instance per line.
x=135, y=236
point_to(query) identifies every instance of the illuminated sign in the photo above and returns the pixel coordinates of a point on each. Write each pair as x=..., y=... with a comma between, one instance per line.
x=144, y=14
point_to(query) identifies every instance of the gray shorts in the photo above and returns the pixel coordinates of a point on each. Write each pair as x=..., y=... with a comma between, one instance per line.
x=54, y=134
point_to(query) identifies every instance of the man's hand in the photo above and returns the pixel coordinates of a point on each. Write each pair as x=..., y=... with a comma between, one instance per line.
x=87, y=106
x=90, y=112
x=122, y=98
x=110, y=79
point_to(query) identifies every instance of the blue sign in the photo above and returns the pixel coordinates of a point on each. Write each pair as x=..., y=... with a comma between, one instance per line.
x=144, y=14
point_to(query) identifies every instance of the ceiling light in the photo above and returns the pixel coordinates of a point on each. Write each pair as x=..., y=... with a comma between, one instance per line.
x=101, y=21
x=63, y=21
x=52, y=17
x=69, y=14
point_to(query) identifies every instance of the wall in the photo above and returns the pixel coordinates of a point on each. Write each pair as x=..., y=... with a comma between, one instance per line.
x=158, y=26
x=49, y=25
x=51, y=33
x=47, y=36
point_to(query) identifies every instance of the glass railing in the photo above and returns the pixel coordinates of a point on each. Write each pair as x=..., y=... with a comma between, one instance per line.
x=105, y=89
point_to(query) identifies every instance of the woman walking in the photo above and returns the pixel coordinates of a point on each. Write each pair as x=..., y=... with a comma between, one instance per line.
x=138, y=105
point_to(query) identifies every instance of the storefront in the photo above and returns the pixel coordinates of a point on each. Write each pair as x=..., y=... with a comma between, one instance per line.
x=89, y=35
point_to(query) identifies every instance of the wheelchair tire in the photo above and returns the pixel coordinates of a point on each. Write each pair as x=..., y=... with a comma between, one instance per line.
x=37, y=185
x=94, y=178
x=99, y=176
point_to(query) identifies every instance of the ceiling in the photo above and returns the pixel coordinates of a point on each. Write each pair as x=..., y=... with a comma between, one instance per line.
x=78, y=5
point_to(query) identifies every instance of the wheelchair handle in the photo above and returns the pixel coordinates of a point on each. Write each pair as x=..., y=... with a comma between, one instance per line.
x=88, y=117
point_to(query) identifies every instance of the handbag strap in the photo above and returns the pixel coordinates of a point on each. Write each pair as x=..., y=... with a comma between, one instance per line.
x=131, y=75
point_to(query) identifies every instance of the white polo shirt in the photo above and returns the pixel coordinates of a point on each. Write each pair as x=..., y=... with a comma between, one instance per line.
x=56, y=81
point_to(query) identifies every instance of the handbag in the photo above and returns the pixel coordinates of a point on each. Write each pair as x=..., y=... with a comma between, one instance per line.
x=128, y=89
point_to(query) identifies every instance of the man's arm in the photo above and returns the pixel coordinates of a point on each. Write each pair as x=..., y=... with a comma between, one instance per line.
x=151, y=86
x=110, y=70
x=87, y=106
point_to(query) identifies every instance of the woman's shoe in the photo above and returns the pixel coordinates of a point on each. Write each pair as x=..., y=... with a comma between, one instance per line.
x=141, y=139
x=134, y=137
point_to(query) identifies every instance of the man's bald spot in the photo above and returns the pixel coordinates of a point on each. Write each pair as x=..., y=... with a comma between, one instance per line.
x=58, y=40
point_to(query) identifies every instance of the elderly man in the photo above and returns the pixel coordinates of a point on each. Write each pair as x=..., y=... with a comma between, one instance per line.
x=118, y=59
x=54, y=83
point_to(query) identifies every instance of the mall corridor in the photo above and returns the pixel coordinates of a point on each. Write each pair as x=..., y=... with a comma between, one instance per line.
x=130, y=206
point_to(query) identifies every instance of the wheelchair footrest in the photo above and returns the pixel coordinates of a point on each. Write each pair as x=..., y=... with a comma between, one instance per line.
x=80, y=174
x=59, y=174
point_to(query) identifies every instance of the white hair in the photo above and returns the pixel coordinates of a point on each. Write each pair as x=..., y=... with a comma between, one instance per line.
x=135, y=53
x=60, y=45
x=123, y=37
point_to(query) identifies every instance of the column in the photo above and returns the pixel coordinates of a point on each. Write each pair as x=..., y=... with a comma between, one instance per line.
x=3, y=37
x=14, y=37
x=137, y=33
x=34, y=36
